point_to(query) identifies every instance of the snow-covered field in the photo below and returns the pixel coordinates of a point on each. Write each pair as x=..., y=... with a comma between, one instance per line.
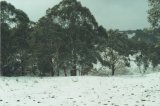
x=134, y=90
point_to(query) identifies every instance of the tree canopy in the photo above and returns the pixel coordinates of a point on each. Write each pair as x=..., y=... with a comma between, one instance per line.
x=14, y=32
x=154, y=13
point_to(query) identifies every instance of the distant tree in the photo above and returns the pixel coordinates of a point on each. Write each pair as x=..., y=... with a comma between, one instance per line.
x=142, y=60
x=147, y=36
x=142, y=55
x=154, y=55
x=115, y=50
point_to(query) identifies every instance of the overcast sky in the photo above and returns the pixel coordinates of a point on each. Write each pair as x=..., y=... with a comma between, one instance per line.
x=115, y=14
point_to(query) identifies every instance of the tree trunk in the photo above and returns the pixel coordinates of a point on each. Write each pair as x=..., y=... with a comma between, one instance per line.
x=65, y=73
x=57, y=69
x=57, y=72
x=139, y=67
x=74, y=70
x=52, y=72
x=23, y=70
x=80, y=72
x=40, y=74
x=113, y=69
x=0, y=72
x=23, y=67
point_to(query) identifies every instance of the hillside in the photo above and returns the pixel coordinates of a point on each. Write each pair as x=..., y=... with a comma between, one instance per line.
x=146, y=36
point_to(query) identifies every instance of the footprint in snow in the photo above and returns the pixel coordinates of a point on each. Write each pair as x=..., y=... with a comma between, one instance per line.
x=53, y=97
x=99, y=102
x=110, y=97
x=114, y=86
x=148, y=95
x=112, y=104
x=29, y=96
x=143, y=100
x=92, y=101
x=69, y=98
x=74, y=101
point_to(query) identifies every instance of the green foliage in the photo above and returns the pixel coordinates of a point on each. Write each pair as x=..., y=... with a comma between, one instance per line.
x=69, y=38
x=146, y=36
x=115, y=50
x=154, y=19
x=14, y=27
x=80, y=27
x=47, y=42
x=154, y=56
x=154, y=13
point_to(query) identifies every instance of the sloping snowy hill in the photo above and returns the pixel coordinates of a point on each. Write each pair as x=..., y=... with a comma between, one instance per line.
x=81, y=91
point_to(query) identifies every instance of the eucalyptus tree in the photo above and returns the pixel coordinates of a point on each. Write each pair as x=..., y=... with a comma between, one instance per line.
x=48, y=44
x=14, y=33
x=154, y=13
x=115, y=50
x=80, y=28
x=154, y=19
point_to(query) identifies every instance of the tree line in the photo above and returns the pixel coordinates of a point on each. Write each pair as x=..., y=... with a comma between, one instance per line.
x=68, y=37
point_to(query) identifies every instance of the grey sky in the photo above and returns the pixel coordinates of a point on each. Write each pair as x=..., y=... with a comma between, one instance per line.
x=115, y=14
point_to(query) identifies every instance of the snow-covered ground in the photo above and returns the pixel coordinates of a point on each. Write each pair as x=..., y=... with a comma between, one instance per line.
x=135, y=90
